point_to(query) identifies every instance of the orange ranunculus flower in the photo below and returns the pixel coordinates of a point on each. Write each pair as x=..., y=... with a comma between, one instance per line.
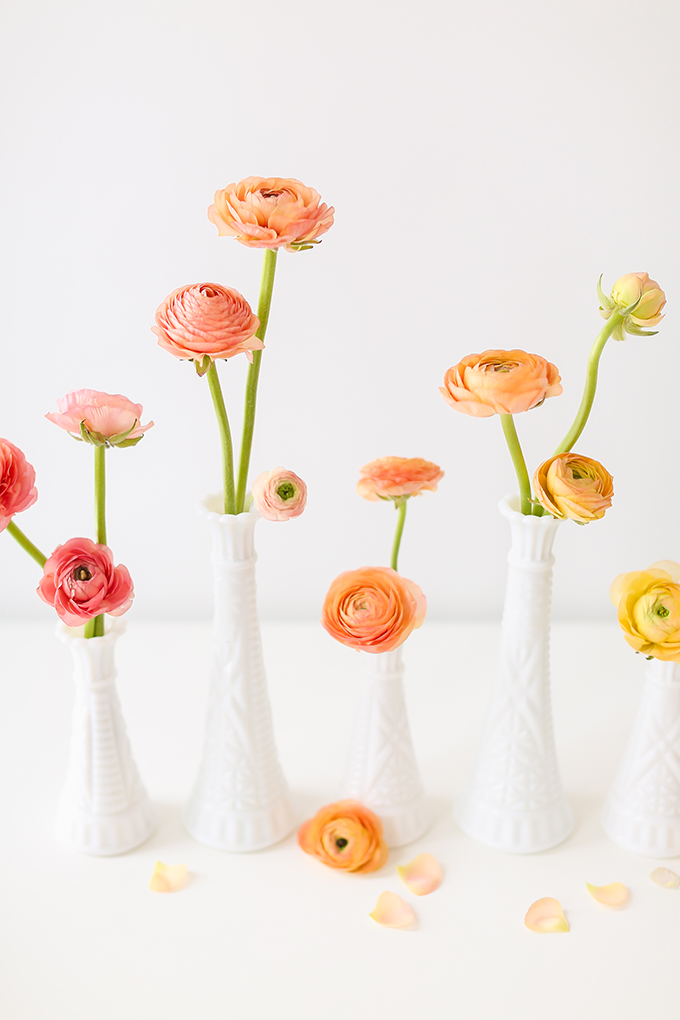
x=625, y=293
x=345, y=835
x=373, y=609
x=500, y=382
x=574, y=487
x=398, y=478
x=271, y=212
x=648, y=609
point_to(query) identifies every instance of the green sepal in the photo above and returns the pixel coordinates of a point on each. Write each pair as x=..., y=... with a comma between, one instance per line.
x=93, y=438
x=129, y=442
x=302, y=245
x=630, y=308
x=605, y=302
x=631, y=327
x=203, y=365
x=119, y=440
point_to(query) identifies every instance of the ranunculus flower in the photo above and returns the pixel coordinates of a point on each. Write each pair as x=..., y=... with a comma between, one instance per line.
x=500, y=382
x=204, y=321
x=574, y=487
x=103, y=419
x=398, y=477
x=345, y=835
x=648, y=609
x=625, y=293
x=373, y=609
x=17, y=483
x=271, y=212
x=80, y=581
x=279, y=494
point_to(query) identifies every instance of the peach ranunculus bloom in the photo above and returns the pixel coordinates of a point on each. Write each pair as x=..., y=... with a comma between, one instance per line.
x=345, y=835
x=398, y=478
x=372, y=609
x=574, y=487
x=648, y=609
x=625, y=293
x=205, y=321
x=103, y=419
x=17, y=482
x=80, y=581
x=271, y=212
x=279, y=495
x=500, y=382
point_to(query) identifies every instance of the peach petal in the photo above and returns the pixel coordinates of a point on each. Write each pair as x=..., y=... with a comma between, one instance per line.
x=613, y=895
x=167, y=877
x=422, y=876
x=391, y=911
x=545, y=915
x=666, y=878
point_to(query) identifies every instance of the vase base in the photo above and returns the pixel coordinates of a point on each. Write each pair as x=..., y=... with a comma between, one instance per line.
x=105, y=835
x=402, y=823
x=239, y=831
x=646, y=835
x=515, y=832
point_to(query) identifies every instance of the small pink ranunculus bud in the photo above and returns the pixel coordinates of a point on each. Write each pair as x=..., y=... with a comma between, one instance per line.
x=279, y=495
x=500, y=382
x=634, y=289
x=80, y=581
x=103, y=419
x=570, y=486
x=271, y=212
x=398, y=478
x=17, y=483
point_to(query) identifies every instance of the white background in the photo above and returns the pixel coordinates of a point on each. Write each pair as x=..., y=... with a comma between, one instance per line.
x=487, y=162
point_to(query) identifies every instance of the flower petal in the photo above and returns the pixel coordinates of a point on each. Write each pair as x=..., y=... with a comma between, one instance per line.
x=391, y=911
x=167, y=877
x=613, y=895
x=666, y=878
x=422, y=876
x=546, y=915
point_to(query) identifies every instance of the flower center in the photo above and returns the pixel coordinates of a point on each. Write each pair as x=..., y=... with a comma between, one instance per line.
x=271, y=194
x=663, y=612
x=286, y=490
x=341, y=842
x=81, y=573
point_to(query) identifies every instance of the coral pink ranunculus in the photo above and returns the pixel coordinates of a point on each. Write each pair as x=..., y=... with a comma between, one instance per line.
x=398, y=477
x=17, y=483
x=271, y=212
x=500, y=382
x=80, y=581
x=279, y=494
x=373, y=609
x=103, y=419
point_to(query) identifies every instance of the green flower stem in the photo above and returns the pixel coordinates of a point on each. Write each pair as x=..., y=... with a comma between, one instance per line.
x=26, y=544
x=263, y=306
x=512, y=439
x=614, y=320
x=400, y=507
x=95, y=627
x=225, y=438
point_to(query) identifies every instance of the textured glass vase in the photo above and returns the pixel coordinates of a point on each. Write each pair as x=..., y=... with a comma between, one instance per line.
x=240, y=799
x=513, y=799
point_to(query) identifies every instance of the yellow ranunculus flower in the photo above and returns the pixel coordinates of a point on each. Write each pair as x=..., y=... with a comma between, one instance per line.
x=625, y=292
x=648, y=608
x=572, y=486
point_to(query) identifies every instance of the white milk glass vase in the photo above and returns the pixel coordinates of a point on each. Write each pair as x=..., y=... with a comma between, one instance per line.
x=513, y=799
x=381, y=770
x=642, y=811
x=104, y=808
x=240, y=800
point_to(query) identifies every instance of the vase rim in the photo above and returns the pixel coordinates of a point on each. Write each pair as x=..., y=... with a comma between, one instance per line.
x=116, y=627
x=509, y=507
x=208, y=507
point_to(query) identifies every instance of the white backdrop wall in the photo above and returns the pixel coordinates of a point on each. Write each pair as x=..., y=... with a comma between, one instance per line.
x=487, y=162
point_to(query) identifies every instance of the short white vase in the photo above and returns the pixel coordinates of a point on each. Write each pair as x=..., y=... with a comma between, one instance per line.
x=381, y=770
x=642, y=811
x=240, y=800
x=104, y=808
x=513, y=799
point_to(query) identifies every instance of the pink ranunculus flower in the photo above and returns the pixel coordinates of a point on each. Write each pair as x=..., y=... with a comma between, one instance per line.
x=103, y=419
x=80, y=581
x=204, y=321
x=271, y=212
x=398, y=478
x=17, y=483
x=279, y=495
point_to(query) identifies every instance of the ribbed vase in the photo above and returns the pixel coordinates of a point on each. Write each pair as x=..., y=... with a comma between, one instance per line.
x=240, y=800
x=381, y=770
x=513, y=799
x=642, y=811
x=104, y=808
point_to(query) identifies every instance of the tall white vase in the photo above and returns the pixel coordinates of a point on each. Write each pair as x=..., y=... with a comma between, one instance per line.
x=240, y=800
x=381, y=770
x=513, y=799
x=104, y=808
x=642, y=811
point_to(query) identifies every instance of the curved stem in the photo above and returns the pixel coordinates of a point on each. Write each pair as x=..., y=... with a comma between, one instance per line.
x=96, y=626
x=225, y=439
x=263, y=306
x=26, y=544
x=512, y=439
x=400, y=507
x=591, y=384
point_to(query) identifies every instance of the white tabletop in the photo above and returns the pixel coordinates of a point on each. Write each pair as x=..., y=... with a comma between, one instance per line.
x=274, y=934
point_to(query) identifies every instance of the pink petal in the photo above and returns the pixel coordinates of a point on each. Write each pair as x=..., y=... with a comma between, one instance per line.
x=666, y=878
x=391, y=911
x=613, y=895
x=422, y=876
x=546, y=916
x=167, y=877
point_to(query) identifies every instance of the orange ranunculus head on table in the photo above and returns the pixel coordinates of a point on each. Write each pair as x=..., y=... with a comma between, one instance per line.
x=574, y=487
x=345, y=835
x=500, y=382
x=271, y=212
x=398, y=478
x=648, y=609
x=372, y=609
